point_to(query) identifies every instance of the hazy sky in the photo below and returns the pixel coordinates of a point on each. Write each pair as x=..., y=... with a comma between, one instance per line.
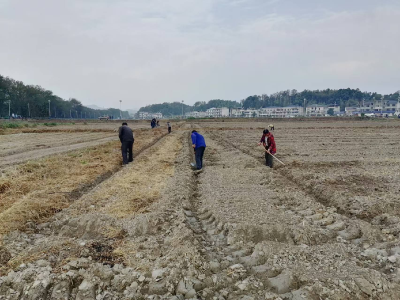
x=151, y=51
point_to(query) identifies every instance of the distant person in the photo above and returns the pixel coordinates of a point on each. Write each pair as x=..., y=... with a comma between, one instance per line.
x=127, y=140
x=271, y=127
x=268, y=141
x=199, y=145
x=153, y=123
x=169, y=127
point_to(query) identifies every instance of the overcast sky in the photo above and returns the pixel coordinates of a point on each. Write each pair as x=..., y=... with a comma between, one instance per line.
x=152, y=51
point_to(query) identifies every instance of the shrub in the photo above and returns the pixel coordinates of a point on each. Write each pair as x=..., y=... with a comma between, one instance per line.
x=10, y=125
x=50, y=124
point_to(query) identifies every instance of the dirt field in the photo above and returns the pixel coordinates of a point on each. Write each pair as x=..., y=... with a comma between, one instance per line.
x=324, y=226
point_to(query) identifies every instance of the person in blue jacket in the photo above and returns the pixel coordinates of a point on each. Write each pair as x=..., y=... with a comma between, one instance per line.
x=199, y=145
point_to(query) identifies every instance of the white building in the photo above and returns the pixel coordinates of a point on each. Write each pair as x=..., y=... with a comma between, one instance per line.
x=251, y=113
x=236, y=112
x=351, y=110
x=196, y=114
x=218, y=112
x=143, y=115
x=379, y=106
x=157, y=115
x=281, y=112
x=376, y=107
x=146, y=115
x=316, y=110
x=336, y=109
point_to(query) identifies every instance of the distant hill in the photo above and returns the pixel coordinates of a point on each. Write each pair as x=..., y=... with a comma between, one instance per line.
x=33, y=101
x=93, y=106
x=175, y=108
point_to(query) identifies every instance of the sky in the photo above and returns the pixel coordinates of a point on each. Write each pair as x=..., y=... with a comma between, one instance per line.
x=153, y=51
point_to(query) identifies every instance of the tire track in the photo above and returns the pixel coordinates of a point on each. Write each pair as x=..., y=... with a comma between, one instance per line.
x=341, y=226
x=233, y=266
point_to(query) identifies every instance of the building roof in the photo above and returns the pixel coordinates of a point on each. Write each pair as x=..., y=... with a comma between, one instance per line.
x=392, y=101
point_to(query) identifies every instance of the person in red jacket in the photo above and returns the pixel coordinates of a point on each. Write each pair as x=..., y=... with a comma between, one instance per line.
x=268, y=141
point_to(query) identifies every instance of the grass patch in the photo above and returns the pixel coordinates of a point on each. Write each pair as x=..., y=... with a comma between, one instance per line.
x=135, y=188
x=6, y=125
x=36, y=190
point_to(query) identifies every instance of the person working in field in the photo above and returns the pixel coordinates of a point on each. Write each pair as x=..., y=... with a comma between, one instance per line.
x=127, y=140
x=268, y=141
x=169, y=127
x=271, y=127
x=199, y=145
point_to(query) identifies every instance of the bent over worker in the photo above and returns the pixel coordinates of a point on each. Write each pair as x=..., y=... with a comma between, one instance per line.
x=199, y=145
x=268, y=141
x=127, y=140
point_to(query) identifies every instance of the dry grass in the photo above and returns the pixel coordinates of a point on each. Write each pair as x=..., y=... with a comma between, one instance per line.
x=137, y=186
x=36, y=190
x=149, y=176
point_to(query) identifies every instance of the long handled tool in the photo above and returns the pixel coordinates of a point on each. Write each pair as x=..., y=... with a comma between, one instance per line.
x=274, y=157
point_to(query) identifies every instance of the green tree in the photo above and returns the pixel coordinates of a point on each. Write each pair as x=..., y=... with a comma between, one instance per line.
x=330, y=112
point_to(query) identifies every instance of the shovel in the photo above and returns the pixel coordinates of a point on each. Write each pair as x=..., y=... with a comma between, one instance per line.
x=274, y=157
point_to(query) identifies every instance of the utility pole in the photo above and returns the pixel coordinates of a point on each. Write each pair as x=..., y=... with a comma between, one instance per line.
x=55, y=112
x=182, y=109
x=29, y=111
x=304, y=112
x=49, y=111
x=120, y=111
x=70, y=113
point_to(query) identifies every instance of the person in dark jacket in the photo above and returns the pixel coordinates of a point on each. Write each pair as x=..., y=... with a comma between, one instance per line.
x=199, y=145
x=169, y=127
x=268, y=141
x=127, y=140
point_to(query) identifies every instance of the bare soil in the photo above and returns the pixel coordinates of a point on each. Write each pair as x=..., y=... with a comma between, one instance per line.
x=324, y=226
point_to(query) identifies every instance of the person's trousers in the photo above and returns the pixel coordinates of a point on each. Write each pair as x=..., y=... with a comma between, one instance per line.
x=269, y=160
x=199, y=152
x=169, y=129
x=125, y=148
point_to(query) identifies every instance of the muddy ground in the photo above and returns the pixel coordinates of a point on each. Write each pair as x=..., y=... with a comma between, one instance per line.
x=324, y=226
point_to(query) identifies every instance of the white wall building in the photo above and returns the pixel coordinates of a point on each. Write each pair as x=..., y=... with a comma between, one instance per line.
x=157, y=115
x=146, y=115
x=196, y=114
x=251, y=113
x=378, y=106
x=351, y=110
x=316, y=110
x=336, y=109
x=218, y=112
x=236, y=112
x=281, y=112
x=143, y=115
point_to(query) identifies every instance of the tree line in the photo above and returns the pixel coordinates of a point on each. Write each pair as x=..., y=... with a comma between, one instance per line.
x=341, y=97
x=33, y=101
x=176, y=108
